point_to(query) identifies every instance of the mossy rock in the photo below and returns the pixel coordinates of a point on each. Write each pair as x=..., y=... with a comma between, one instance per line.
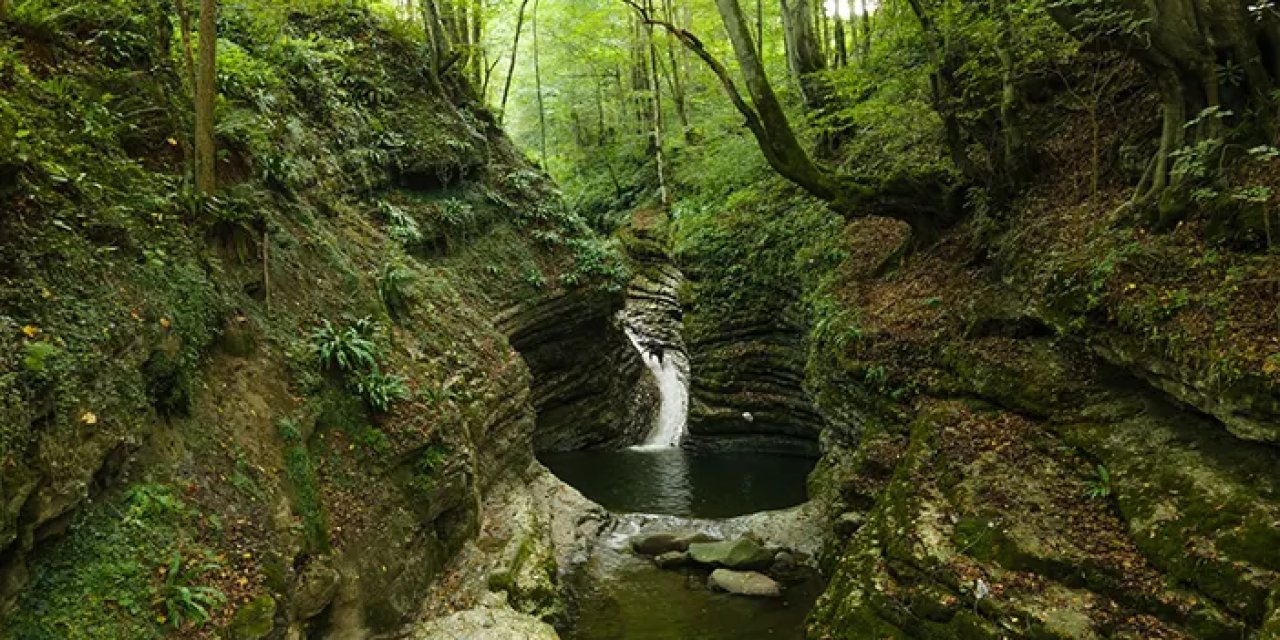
x=254, y=620
x=168, y=385
x=742, y=553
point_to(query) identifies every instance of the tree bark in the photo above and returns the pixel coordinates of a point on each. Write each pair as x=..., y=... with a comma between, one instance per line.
x=866, y=29
x=477, y=54
x=656, y=83
x=677, y=79
x=537, y=78
x=804, y=55
x=206, y=95
x=842, y=47
x=511, y=69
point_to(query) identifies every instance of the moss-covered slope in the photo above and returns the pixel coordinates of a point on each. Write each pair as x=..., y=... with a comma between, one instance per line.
x=182, y=450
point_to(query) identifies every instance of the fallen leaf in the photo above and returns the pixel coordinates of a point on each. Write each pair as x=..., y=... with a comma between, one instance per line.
x=89, y=417
x=31, y=331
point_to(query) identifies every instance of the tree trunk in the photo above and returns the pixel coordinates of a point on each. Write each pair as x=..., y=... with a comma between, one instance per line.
x=438, y=42
x=537, y=79
x=1182, y=44
x=924, y=202
x=777, y=140
x=942, y=86
x=511, y=69
x=759, y=26
x=206, y=95
x=842, y=48
x=804, y=55
x=677, y=80
x=656, y=83
x=477, y=54
x=866, y=29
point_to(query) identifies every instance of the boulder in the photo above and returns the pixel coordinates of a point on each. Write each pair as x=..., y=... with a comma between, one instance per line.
x=786, y=567
x=671, y=559
x=314, y=590
x=696, y=538
x=656, y=544
x=254, y=620
x=743, y=553
x=744, y=583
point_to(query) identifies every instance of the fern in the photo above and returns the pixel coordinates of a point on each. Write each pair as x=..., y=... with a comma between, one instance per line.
x=347, y=350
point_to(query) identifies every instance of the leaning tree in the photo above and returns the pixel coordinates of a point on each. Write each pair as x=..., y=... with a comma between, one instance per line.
x=925, y=202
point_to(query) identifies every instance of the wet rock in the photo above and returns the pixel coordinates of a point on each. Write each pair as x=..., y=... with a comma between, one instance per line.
x=849, y=523
x=656, y=544
x=697, y=538
x=486, y=624
x=316, y=587
x=787, y=567
x=671, y=559
x=744, y=583
x=743, y=553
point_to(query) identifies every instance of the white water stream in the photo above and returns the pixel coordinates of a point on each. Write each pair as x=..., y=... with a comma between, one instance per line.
x=674, y=393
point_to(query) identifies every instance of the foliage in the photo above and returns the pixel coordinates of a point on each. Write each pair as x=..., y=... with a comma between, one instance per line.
x=349, y=349
x=103, y=582
x=184, y=601
x=393, y=282
x=1100, y=487
x=380, y=390
x=427, y=466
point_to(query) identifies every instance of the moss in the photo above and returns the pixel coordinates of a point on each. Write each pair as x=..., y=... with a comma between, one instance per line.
x=301, y=474
x=254, y=620
x=168, y=385
x=104, y=579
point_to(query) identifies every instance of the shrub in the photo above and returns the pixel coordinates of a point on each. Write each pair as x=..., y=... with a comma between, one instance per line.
x=393, y=284
x=380, y=390
x=182, y=601
x=346, y=349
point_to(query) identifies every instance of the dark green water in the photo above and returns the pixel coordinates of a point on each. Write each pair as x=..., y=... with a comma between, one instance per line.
x=673, y=481
x=639, y=602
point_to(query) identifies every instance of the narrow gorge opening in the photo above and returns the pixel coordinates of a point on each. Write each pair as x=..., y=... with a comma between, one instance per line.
x=668, y=492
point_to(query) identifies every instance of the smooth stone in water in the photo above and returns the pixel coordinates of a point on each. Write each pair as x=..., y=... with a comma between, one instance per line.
x=744, y=583
x=743, y=553
x=656, y=544
x=671, y=559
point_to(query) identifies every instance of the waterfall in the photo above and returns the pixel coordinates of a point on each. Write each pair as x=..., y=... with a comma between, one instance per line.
x=673, y=393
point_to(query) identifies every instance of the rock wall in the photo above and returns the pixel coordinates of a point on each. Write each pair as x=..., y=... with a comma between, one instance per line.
x=746, y=335
x=590, y=387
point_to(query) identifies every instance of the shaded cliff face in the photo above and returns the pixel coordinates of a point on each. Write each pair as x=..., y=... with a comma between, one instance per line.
x=745, y=328
x=169, y=420
x=590, y=387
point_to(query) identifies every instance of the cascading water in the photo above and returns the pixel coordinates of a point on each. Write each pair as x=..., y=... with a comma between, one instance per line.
x=668, y=368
